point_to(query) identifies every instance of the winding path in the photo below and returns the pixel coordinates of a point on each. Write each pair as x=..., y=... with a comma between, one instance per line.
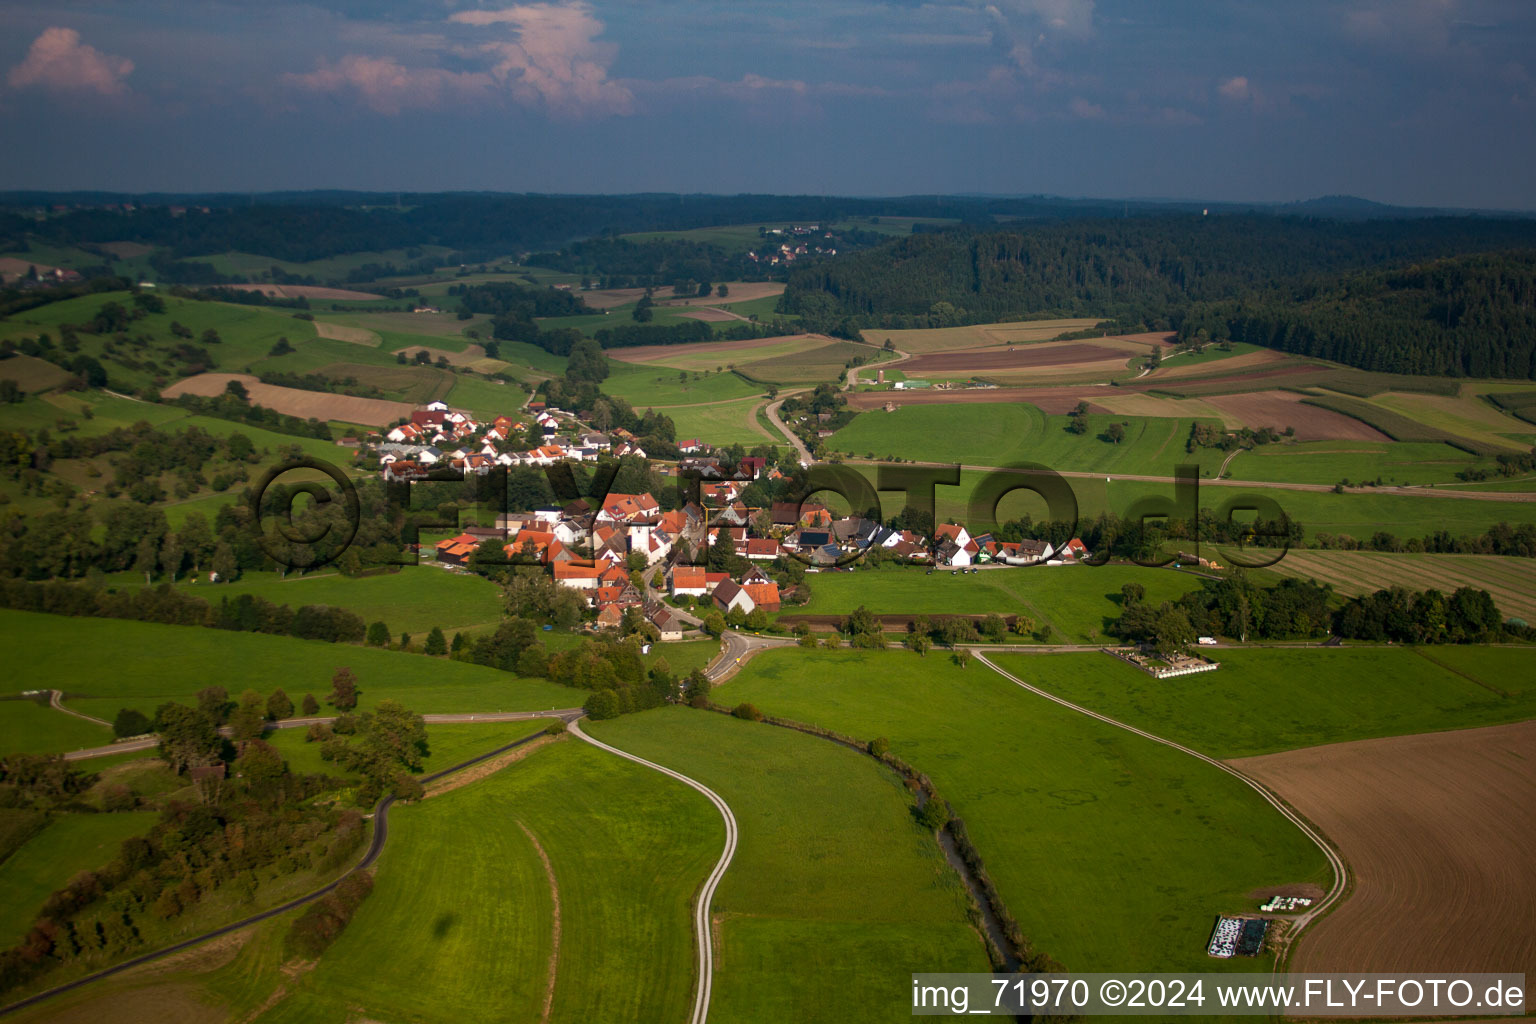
x=701, y=916
x=1340, y=870
x=56, y=701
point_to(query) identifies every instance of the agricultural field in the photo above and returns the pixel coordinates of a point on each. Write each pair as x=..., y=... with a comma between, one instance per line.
x=1329, y=462
x=810, y=813
x=111, y=664
x=705, y=356
x=1097, y=360
x=32, y=375
x=30, y=727
x=722, y=423
x=1264, y=700
x=1401, y=426
x=254, y=266
x=1437, y=816
x=826, y=363
x=1511, y=581
x=945, y=339
x=657, y=386
x=464, y=894
x=1057, y=803
x=373, y=412
x=1000, y=435
x=448, y=743
x=1078, y=602
x=71, y=843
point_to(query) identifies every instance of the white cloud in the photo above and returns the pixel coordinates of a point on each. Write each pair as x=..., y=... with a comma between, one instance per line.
x=1083, y=108
x=388, y=87
x=554, y=59
x=1235, y=88
x=58, y=60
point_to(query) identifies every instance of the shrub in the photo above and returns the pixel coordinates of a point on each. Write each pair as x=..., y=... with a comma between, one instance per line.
x=934, y=814
x=748, y=712
x=130, y=722
x=879, y=746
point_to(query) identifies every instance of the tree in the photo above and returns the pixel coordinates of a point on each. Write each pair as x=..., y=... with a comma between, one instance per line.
x=396, y=736
x=920, y=643
x=343, y=690
x=378, y=635
x=696, y=689
x=279, y=706
x=214, y=704
x=188, y=738
x=171, y=554
x=934, y=814
x=436, y=642
x=249, y=718
x=146, y=557
x=311, y=706
x=714, y=623
x=1116, y=433
x=1132, y=593
x=1172, y=632
x=1078, y=424
x=405, y=641
x=224, y=564
x=963, y=657
x=721, y=291
x=263, y=769
x=130, y=722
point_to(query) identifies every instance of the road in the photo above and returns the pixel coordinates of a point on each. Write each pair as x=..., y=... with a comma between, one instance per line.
x=56, y=701
x=800, y=449
x=1340, y=871
x=853, y=371
x=703, y=934
x=375, y=847
x=738, y=649
x=152, y=741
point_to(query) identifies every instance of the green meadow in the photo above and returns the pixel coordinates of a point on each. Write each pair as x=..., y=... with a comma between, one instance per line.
x=1264, y=700
x=834, y=889
x=1329, y=462
x=449, y=743
x=1112, y=851
x=70, y=844
x=28, y=727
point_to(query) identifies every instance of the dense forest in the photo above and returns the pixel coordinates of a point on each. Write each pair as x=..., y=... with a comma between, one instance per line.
x=1446, y=295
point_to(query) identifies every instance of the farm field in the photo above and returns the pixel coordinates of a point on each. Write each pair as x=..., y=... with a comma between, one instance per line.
x=1077, y=601
x=1464, y=414
x=111, y=664
x=656, y=386
x=28, y=727
x=1264, y=700
x=70, y=844
x=722, y=423
x=999, y=435
x=1438, y=844
x=1057, y=803
x=462, y=893
x=705, y=356
x=449, y=743
x=1098, y=359
x=373, y=412
x=944, y=339
x=808, y=922
x=1329, y=462
x=1511, y=581
x=826, y=363
x=31, y=374
x=1281, y=409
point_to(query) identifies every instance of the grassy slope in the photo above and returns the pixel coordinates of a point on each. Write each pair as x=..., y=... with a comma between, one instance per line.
x=70, y=844
x=449, y=744
x=1112, y=851
x=30, y=728
x=114, y=664
x=642, y=386
x=1264, y=700
x=1328, y=462
x=1077, y=601
x=462, y=898
x=813, y=923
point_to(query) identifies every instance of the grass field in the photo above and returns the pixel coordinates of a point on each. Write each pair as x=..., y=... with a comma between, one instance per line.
x=1511, y=581
x=1424, y=419
x=1113, y=852
x=70, y=844
x=945, y=339
x=706, y=357
x=32, y=374
x=722, y=424
x=111, y=664
x=812, y=925
x=449, y=743
x=1001, y=434
x=1328, y=462
x=655, y=386
x=463, y=897
x=1077, y=601
x=27, y=727
x=1264, y=700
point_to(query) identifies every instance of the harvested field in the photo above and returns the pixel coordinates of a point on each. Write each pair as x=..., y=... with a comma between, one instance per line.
x=127, y=250
x=1285, y=374
x=823, y=363
x=945, y=339
x=418, y=384
x=1134, y=404
x=710, y=354
x=1242, y=362
x=1438, y=832
x=1281, y=409
x=737, y=291
x=471, y=354
x=32, y=374
x=372, y=412
x=1511, y=581
x=1014, y=357
x=608, y=298
x=1052, y=400
x=710, y=315
x=344, y=332
x=306, y=291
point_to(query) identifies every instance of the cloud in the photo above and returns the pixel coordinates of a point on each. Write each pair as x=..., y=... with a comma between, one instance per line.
x=1235, y=88
x=388, y=87
x=58, y=60
x=555, y=59
x=1082, y=108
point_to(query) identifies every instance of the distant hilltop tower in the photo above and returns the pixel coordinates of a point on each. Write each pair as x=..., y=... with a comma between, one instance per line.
x=880, y=376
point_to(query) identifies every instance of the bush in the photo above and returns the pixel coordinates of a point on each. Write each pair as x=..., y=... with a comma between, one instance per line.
x=555, y=728
x=879, y=746
x=130, y=722
x=934, y=814
x=748, y=712
x=319, y=926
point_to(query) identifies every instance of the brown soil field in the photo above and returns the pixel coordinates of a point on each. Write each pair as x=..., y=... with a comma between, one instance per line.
x=372, y=412
x=609, y=297
x=12, y=268
x=308, y=291
x=1231, y=383
x=1438, y=831
x=659, y=353
x=1242, y=362
x=1281, y=409
x=1510, y=580
x=737, y=291
x=32, y=374
x=1137, y=404
x=709, y=315
x=342, y=332
x=470, y=355
x=1014, y=357
x=946, y=339
x=1052, y=400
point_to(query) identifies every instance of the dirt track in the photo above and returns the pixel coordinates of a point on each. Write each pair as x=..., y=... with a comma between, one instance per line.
x=1438, y=831
x=370, y=412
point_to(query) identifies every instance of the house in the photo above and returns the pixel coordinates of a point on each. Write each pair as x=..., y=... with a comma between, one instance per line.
x=1026, y=552
x=621, y=508
x=578, y=577
x=954, y=545
x=730, y=594
x=763, y=595
x=751, y=467
x=1073, y=550
x=611, y=617
x=694, y=580
x=690, y=446
x=762, y=549
x=669, y=623
x=811, y=540
x=457, y=550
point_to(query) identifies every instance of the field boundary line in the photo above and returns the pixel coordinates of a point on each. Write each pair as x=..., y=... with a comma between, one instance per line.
x=375, y=847
x=701, y=915
x=1341, y=876
x=554, y=896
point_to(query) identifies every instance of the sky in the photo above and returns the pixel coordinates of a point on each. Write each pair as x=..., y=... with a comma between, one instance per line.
x=1413, y=102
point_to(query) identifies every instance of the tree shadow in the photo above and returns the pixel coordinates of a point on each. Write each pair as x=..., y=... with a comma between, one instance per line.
x=443, y=925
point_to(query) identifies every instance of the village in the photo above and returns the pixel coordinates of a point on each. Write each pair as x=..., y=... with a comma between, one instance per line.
x=629, y=553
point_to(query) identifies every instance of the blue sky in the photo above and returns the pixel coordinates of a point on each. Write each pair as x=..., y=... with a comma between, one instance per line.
x=1423, y=102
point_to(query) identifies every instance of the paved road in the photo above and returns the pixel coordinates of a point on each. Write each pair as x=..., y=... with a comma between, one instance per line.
x=150, y=742
x=56, y=701
x=375, y=847
x=704, y=935
x=738, y=649
x=1340, y=871
x=773, y=417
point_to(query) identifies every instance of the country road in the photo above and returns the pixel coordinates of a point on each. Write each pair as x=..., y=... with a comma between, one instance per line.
x=56, y=701
x=801, y=450
x=1340, y=870
x=703, y=934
